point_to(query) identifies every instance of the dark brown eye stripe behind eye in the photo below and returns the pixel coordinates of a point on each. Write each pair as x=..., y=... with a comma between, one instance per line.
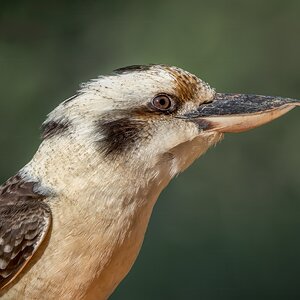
x=119, y=135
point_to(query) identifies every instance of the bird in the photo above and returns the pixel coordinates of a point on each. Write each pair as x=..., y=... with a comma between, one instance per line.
x=73, y=220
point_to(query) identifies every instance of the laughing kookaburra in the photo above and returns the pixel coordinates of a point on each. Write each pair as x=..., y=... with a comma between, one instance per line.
x=72, y=221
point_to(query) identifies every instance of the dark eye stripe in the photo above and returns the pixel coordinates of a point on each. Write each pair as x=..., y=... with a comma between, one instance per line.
x=119, y=135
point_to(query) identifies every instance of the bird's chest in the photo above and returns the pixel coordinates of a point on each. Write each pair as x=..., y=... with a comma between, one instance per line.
x=122, y=256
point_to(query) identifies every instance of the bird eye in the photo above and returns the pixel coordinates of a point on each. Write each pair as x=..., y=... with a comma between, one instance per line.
x=162, y=102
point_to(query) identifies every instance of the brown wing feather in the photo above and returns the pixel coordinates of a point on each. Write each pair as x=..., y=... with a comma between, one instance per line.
x=24, y=223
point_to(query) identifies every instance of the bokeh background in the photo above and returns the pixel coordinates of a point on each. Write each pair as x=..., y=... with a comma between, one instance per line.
x=228, y=228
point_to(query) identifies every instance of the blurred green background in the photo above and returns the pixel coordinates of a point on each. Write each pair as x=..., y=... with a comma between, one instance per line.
x=228, y=228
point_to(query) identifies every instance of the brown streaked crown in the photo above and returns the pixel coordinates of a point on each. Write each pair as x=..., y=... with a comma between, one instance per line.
x=186, y=84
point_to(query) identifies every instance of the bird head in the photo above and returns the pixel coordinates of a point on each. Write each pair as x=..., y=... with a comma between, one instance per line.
x=156, y=113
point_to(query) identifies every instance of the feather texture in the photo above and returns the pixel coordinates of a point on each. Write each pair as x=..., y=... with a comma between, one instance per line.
x=24, y=223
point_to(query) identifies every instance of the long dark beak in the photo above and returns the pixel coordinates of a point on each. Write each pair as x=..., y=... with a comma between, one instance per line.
x=240, y=112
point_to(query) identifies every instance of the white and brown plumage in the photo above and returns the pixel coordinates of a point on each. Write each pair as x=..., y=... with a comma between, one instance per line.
x=73, y=219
